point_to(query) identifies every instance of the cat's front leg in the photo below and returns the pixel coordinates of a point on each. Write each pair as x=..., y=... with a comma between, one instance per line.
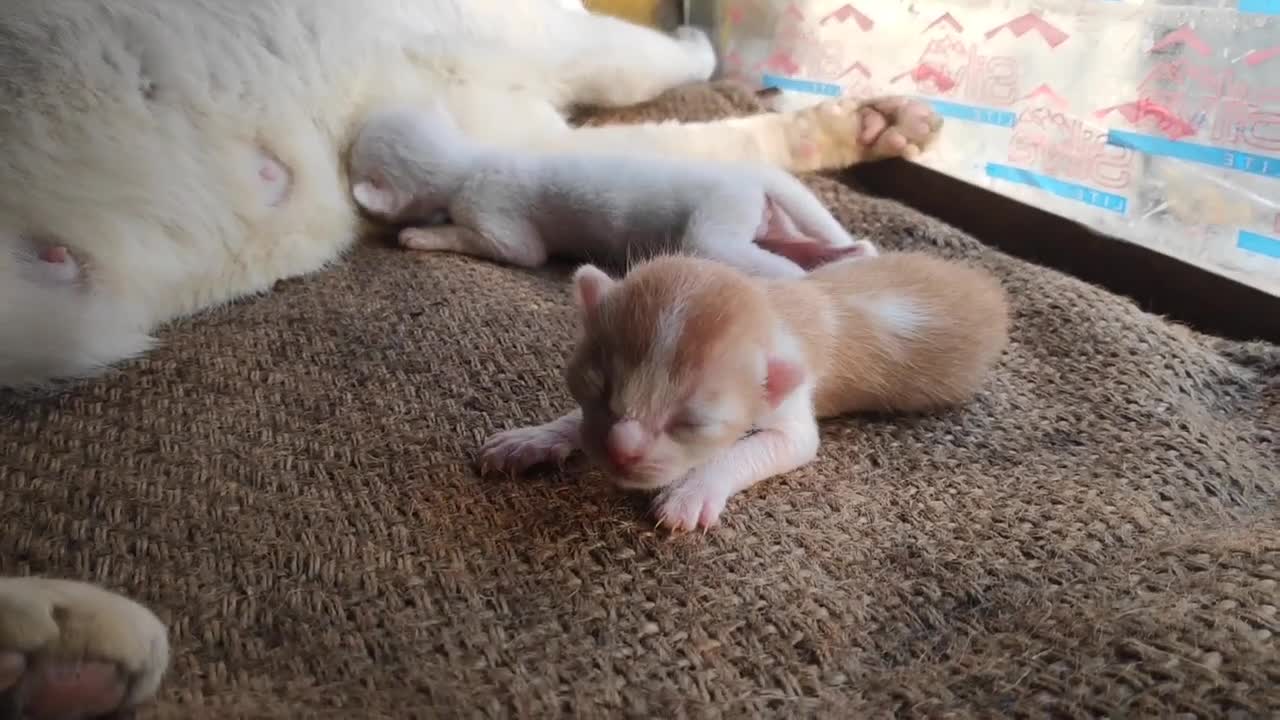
x=73, y=650
x=514, y=451
x=516, y=248
x=698, y=499
x=841, y=133
x=832, y=135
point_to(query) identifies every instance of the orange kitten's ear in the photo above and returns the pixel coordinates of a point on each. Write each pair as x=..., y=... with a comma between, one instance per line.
x=590, y=285
x=783, y=377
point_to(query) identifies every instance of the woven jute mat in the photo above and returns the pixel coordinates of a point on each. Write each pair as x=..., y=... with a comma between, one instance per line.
x=288, y=482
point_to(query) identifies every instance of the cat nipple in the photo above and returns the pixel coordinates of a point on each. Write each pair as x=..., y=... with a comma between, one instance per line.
x=57, y=264
x=275, y=180
x=54, y=254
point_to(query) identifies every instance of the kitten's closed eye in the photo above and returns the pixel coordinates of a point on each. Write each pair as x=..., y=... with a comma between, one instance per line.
x=588, y=385
x=687, y=423
x=593, y=381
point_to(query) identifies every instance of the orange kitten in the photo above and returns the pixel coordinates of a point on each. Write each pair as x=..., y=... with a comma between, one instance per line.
x=699, y=381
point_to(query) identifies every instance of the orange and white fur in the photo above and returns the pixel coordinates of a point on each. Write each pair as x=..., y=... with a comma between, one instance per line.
x=409, y=164
x=698, y=381
x=165, y=156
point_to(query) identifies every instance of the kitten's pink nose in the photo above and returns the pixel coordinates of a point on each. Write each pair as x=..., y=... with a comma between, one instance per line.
x=626, y=443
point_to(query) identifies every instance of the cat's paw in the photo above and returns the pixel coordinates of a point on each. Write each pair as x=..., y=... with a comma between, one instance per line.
x=897, y=126
x=689, y=505
x=514, y=451
x=836, y=134
x=425, y=239
x=73, y=650
x=698, y=47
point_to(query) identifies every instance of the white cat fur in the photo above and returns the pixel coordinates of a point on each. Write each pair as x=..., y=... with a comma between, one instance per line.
x=140, y=134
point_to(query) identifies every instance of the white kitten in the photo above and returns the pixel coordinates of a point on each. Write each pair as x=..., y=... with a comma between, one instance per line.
x=409, y=164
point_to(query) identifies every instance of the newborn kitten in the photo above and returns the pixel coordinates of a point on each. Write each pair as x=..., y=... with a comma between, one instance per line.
x=408, y=165
x=682, y=358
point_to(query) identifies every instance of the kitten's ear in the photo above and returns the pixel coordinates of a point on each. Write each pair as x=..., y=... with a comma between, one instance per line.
x=590, y=285
x=783, y=377
x=374, y=198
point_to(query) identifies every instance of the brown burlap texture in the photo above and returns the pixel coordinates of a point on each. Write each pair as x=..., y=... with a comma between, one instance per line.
x=288, y=483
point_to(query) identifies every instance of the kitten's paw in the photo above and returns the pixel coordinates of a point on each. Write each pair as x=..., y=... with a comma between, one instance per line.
x=810, y=253
x=423, y=239
x=859, y=250
x=689, y=505
x=71, y=650
x=898, y=126
x=702, y=54
x=836, y=134
x=514, y=451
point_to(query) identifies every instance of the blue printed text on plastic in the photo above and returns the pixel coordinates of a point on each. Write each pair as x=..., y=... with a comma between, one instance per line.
x=1062, y=188
x=1252, y=163
x=1260, y=7
x=974, y=113
x=804, y=86
x=1258, y=244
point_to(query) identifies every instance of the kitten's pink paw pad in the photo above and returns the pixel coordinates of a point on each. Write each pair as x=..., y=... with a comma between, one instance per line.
x=515, y=451
x=682, y=509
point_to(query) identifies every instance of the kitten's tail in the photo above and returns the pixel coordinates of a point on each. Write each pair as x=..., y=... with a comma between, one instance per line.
x=52, y=330
x=809, y=214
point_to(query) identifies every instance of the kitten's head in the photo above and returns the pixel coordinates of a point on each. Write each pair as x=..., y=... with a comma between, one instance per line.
x=406, y=162
x=673, y=365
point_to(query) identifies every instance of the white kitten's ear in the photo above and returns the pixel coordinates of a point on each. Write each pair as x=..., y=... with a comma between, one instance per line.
x=374, y=198
x=783, y=377
x=590, y=285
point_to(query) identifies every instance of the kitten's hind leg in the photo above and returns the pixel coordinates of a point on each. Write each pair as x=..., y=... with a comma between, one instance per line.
x=519, y=249
x=724, y=229
x=780, y=234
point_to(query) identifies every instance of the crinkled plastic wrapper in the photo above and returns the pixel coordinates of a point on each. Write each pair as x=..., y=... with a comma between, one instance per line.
x=1155, y=122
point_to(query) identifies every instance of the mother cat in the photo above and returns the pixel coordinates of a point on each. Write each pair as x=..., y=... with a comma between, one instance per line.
x=158, y=157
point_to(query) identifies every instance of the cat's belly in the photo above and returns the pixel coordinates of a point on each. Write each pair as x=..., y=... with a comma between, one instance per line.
x=199, y=142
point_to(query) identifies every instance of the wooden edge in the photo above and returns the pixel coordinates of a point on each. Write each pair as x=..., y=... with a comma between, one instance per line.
x=1160, y=284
